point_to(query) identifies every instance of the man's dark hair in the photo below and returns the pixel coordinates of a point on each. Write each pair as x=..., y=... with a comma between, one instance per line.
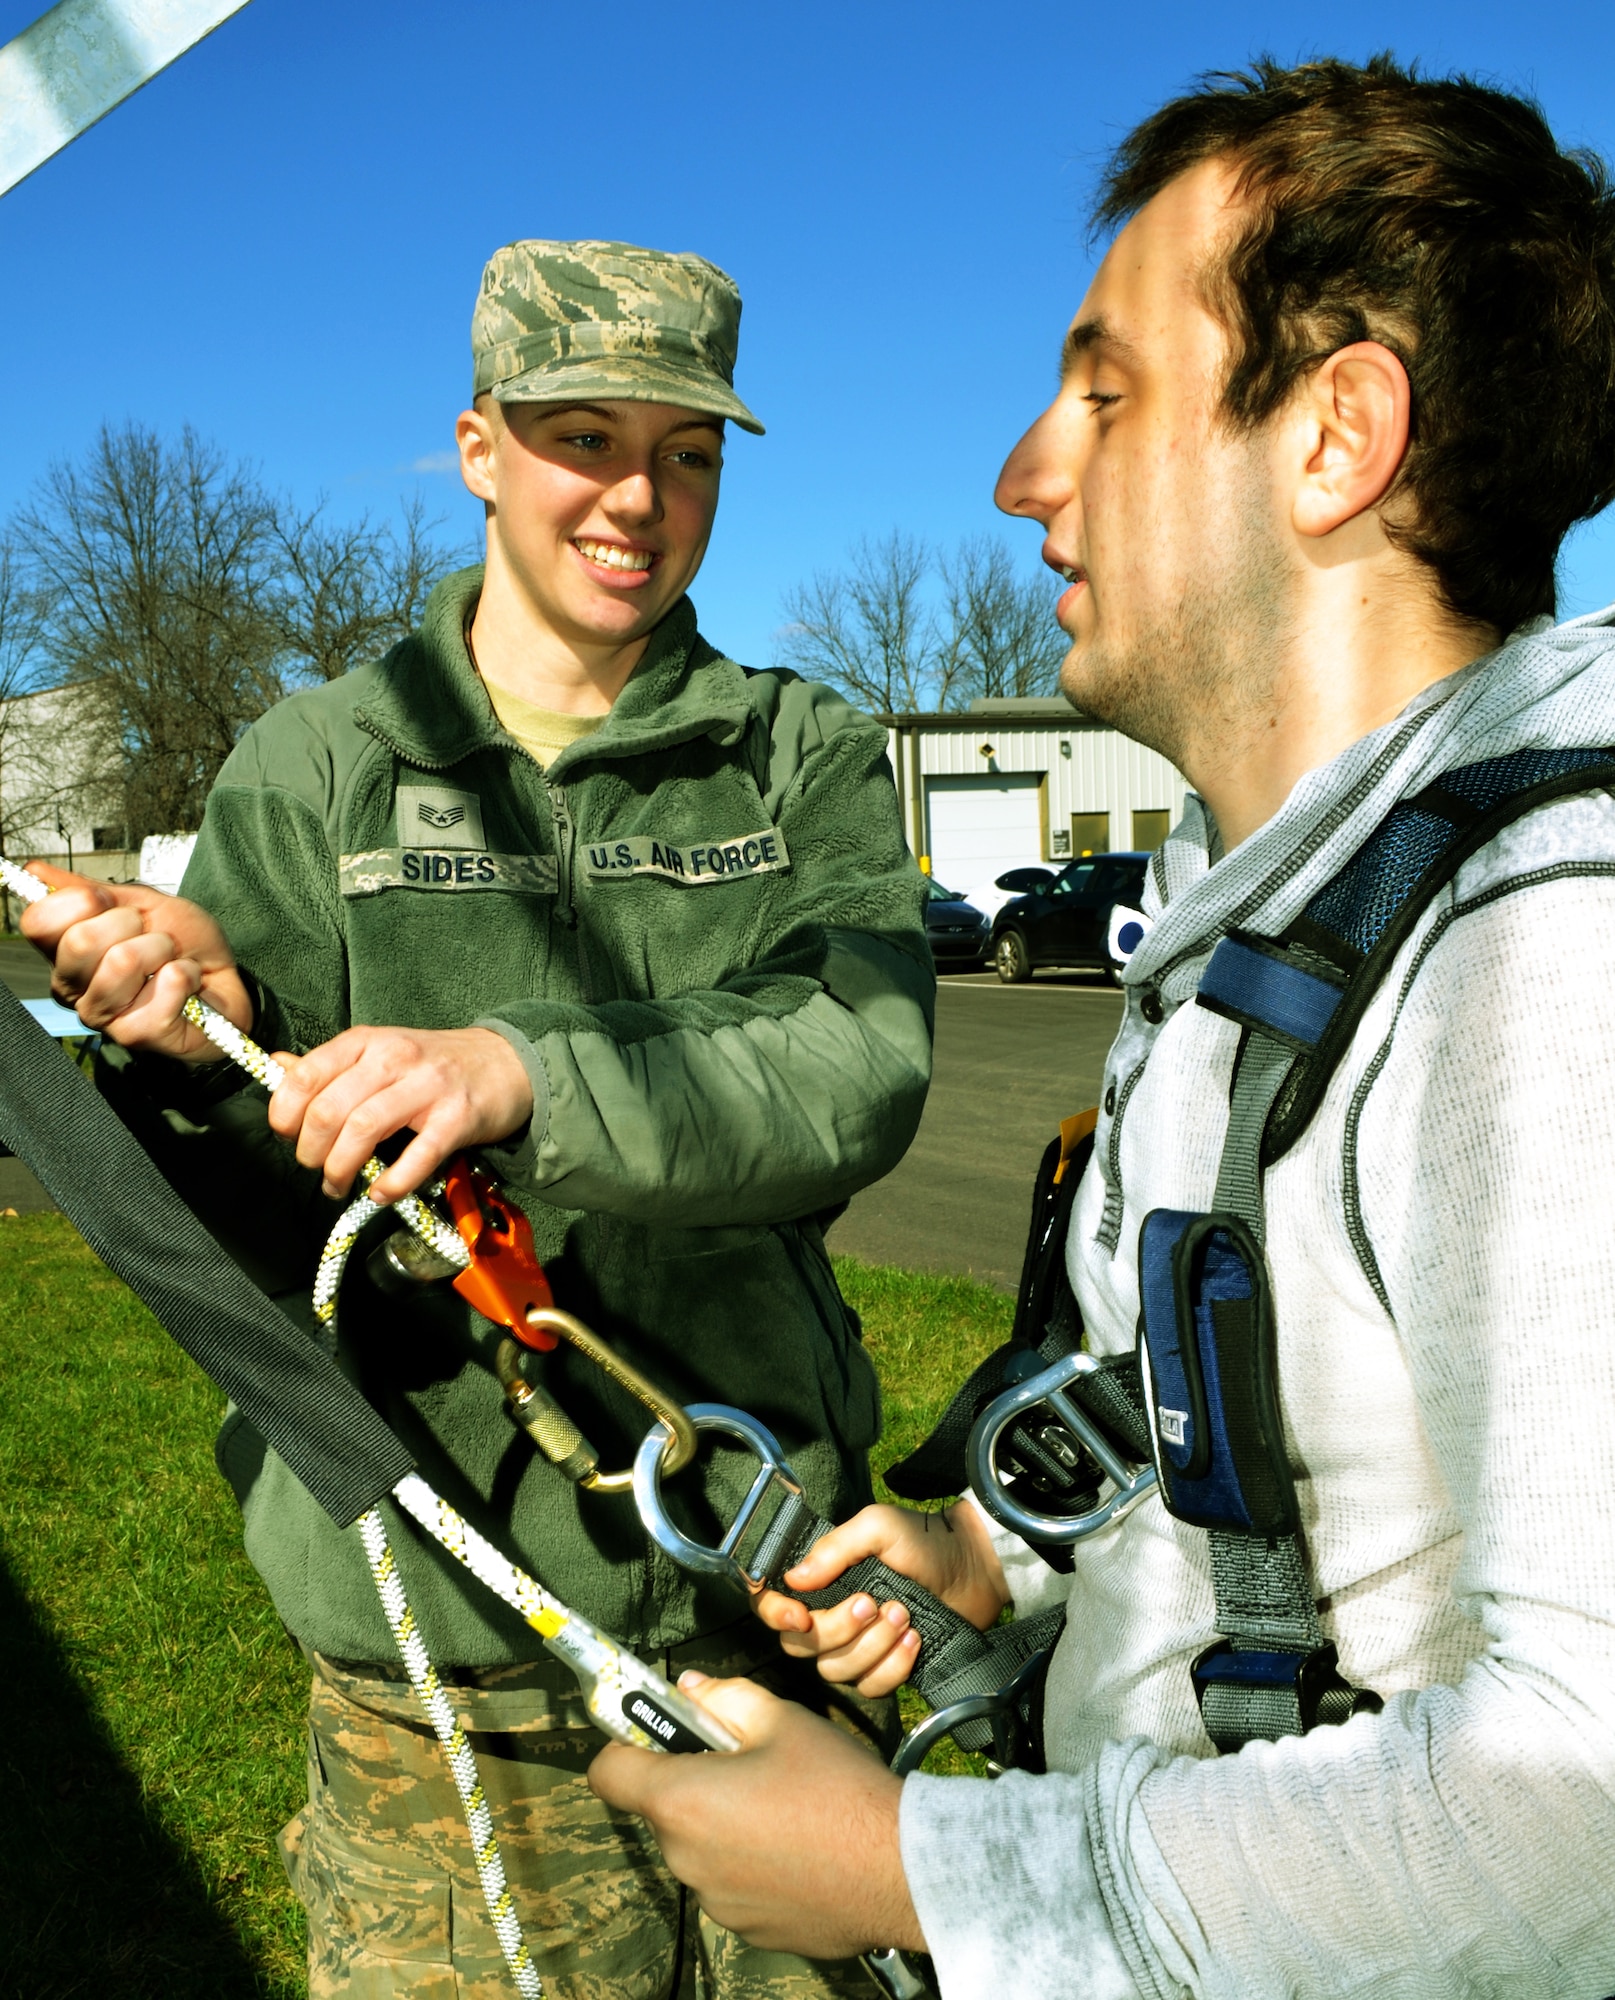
x=1440, y=218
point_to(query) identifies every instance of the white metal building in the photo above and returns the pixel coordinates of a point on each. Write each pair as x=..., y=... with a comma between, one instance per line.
x=1020, y=781
x=59, y=783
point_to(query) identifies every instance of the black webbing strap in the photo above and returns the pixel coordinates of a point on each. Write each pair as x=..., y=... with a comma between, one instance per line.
x=297, y=1400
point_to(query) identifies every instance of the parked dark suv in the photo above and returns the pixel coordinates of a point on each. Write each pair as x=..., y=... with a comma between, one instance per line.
x=1065, y=919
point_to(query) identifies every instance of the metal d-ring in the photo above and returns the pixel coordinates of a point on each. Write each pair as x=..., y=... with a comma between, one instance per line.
x=673, y=1426
x=927, y=1733
x=774, y=1476
x=1133, y=1483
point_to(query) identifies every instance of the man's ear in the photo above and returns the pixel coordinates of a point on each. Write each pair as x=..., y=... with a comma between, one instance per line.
x=476, y=433
x=1352, y=416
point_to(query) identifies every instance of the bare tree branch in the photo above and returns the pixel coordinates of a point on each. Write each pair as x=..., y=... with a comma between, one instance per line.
x=1001, y=624
x=155, y=562
x=870, y=631
x=183, y=600
x=346, y=593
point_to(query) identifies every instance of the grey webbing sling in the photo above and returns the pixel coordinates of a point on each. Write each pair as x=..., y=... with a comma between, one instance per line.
x=53, y=1118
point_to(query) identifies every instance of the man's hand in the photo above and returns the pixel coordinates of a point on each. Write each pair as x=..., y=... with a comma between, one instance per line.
x=452, y=1087
x=873, y=1645
x=791, y=1841
x=128, y=958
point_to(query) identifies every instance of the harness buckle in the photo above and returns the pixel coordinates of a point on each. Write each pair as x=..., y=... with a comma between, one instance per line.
x=769, y=1514
x=1050, y=1388
x=1247, y=1692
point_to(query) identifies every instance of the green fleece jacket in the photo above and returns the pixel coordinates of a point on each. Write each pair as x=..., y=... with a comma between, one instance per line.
x=702, y=934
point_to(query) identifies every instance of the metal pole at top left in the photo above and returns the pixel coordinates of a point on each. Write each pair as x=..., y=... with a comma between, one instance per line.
x=81, y=60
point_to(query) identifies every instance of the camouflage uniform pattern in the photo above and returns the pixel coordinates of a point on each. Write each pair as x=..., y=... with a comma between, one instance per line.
x=380, y=1860
x=559, y=321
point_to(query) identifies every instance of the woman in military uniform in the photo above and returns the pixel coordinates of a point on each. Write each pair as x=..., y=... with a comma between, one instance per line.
x=558, y=880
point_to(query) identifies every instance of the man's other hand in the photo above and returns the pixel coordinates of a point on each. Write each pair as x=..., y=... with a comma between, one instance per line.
x=127, y=958
x=450, y=1087
x=872, y=1644
x=791, y=1842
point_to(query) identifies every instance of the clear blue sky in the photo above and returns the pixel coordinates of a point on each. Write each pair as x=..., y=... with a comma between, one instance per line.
x=279, y=240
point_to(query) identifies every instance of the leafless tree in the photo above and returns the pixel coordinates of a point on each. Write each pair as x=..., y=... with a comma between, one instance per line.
x=20, y=631
x=348, y=591
x=868, y=629
x=156, y=561
x=183, y=599
x=19, y=639
x=44, y=776
x=872, y=630
x=1000, y=623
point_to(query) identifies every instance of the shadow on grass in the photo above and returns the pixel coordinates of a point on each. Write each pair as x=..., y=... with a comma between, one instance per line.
x=95, y=1897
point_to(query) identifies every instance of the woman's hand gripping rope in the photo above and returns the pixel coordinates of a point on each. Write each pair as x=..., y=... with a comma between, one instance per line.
x=136, y=964
x=96, y=945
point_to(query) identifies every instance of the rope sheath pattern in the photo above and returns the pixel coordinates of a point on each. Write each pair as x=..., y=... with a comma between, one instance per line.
x=546, y=1614
x=429, y=1690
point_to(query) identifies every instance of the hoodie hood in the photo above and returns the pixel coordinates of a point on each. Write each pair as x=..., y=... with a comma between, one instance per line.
x=1549, y=687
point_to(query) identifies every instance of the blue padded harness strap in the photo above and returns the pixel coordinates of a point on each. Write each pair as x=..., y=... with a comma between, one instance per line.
x=1359, y=905
x=1206, y=1342
x=1250, y=982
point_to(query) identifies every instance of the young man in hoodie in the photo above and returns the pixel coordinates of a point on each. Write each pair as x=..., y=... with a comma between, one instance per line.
x=1343, y=382
x=558, y=880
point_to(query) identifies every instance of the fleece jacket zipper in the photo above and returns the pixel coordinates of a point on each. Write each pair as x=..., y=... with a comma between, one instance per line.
x=565, y=840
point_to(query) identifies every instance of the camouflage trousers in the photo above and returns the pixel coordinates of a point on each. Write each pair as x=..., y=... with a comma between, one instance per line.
x=381, y=1860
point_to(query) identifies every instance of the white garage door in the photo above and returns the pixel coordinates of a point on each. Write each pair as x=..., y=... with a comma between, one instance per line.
x=981, y=826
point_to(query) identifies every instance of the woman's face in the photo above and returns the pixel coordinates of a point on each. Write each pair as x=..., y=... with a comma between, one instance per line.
x=601, y=512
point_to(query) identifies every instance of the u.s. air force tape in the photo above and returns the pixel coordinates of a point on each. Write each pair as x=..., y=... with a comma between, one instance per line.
x=379, y=868
x=707, y=861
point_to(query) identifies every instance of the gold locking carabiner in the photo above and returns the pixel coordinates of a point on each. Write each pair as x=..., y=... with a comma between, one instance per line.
x=506, y=1283
x=554, y=1432
x=681, y=1443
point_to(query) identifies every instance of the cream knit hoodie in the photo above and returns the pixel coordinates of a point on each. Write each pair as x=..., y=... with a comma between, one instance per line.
x=1442, y=1250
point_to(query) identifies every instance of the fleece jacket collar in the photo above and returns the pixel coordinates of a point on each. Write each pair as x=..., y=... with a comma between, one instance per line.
x=429, y=705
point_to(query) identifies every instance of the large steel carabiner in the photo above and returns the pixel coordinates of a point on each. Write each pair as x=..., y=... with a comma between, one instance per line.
x=744, y=1555
x=1131, y=1483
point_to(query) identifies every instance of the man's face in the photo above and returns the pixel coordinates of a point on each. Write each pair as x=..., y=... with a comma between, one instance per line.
x=601, y=511
x=1168, y=526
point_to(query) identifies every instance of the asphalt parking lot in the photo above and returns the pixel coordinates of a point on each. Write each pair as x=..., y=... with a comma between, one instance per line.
x=1011, y=1062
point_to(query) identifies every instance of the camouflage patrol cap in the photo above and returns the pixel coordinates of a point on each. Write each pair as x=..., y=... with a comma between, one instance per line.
x=556, y=321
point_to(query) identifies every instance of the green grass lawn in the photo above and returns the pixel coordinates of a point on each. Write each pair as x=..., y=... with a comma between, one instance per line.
x=154, y=1726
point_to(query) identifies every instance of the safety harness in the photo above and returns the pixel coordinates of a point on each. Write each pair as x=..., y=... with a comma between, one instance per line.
x=1041, y=1429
